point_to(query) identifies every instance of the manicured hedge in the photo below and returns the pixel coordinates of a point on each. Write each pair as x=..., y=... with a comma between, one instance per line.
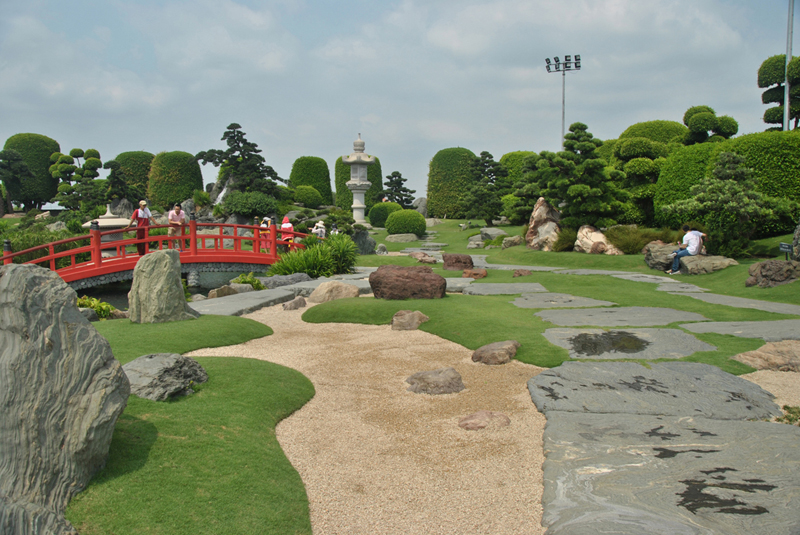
x=308, y=196
x=513, y=162
x=379, y=213
x=173, y=178
x=680, y=172
x=344, y=197
x=312, y=171
x=35, y=150
x=450, y=175
x=663, y=131
x=136, y=167
x=405, y=222
x=251, y=205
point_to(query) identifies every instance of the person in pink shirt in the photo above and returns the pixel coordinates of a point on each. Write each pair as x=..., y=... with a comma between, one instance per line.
x=176, y=218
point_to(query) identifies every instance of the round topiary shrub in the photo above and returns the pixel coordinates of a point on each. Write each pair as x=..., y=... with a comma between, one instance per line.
x=661, y=131
x=513, y=162
x=135, y=166
x=312, y=171
x=35, y=150
x=406, y=222
x=250, y=205
x=451, y=174
x=173, y=178
x=308, y=196
x=379, y=213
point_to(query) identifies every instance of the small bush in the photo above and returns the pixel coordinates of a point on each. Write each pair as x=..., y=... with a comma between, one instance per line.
x=379, y=213
x=102, y=308
x=566, y=240
x=406, y=222
x=308, y=196
x=201, y=198
x=315, y=262
x=249, y=279
x=253, y=204
x=343, y=252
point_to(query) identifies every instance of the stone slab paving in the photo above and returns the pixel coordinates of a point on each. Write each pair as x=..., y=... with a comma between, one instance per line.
x=479, y=261
x=664, y=450
x=642, y=277
x=504, y=288
x=238, y=304
x=769, y=331
x=457, y=285
x=618, y=317
x=680, y=287
x=557, y=300
x=591, y=272
x=741, y=302
x=647, y=344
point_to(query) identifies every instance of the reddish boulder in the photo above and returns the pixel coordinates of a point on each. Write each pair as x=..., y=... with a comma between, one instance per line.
x=522, y=272
x=415, y=282
x=474, y=274
x=457, y=262
x=772, y=273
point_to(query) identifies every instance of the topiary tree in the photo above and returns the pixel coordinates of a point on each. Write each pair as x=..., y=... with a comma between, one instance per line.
x=640, y=159
x=659, y=130
x=491, y=182
x=704, y=125
x=173, y=178
x=397, y=192
x=344, y=197
x=35, y=149
x=307, y=196
x=771, y=75
x=13, y=172
x=381, y=211
x=135, y=167
x=120, y=186
x=681, y=170
x=312, y=171
x=513, y=163
x=250, y=204
x=69, y=168
x=406, y=222
x=451, y=173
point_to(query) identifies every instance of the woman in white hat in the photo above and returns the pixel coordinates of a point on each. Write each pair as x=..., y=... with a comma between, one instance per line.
x=143, y=218
x=319, y=229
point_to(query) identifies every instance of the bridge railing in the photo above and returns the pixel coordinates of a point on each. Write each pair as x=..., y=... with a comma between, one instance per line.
x=206, y=243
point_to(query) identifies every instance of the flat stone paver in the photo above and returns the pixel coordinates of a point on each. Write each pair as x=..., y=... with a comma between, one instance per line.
x=557, y=300
x=741, y=302
x=591, y=272
x=641, y=277
x=456, y=285
x=665, y=388
x=479, y=261
x=769, y=331
x=647, y=344
x=504, y=288
x=238, y=304
x=618, y=317
x=680, y=287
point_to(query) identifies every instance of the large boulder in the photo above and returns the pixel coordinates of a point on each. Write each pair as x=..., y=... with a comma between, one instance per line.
x=364, y=242
x=420, y=204
x=61, y=391
x=772, y=273
x=543, y=227
x=658, y=255
x=795, y=255
x=590, y=240
x=161, y=376
x=700, y=265
x=332, y=290
x=456, y=262
x=156, y=294
x=415, y=282
x=435, y=382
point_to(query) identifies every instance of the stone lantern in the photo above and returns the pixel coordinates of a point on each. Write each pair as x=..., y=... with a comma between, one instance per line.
x=358, y=183
x=109, y=221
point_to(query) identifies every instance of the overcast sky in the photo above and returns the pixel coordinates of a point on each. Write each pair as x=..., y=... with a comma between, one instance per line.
x=304, y=78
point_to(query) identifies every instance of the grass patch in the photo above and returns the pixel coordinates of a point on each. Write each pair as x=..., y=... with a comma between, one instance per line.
x=791, y=415
x=768, y=247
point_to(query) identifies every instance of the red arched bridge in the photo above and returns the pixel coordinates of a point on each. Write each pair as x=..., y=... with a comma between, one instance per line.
x=91, y=258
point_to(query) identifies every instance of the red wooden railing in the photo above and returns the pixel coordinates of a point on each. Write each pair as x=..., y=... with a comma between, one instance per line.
x=263, y=248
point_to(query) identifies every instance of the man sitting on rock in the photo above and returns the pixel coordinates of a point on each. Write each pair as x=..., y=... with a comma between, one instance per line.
x=689, y=247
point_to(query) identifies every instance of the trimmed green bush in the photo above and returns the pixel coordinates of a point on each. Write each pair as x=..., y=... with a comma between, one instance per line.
x=343, y=251
x=513, y=162
x=308, y=196
x=35, y=150
x=405, y=222
x=312, y=171
x=250, y=279
x=661, y=131
x=639, y=147
x=683, y=169
x=379, y=213
x=174, y=176
x=344, y=197
x=606, y=150
x=451, y=174
x=136, y=167
x=250, y=205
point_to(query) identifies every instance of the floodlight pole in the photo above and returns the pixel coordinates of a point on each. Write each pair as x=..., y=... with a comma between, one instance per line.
x=786, y=102
x=567, y=65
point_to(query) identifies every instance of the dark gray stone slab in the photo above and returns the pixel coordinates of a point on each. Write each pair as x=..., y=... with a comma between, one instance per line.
x=618, y=317
x=769, y=331
x=664, y=388
x=647, y=344
x=236, y=305
x=276, y=281
x=741, y=302
x=629, y=474
x=504, y=288
x=680, y=288
x=479, y=261
x=556, y=300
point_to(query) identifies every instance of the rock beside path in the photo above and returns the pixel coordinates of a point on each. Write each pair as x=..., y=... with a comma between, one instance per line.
x=777, y=356
x=295, y=304
x=700, y=265
x=496, y=353
x=435, y=382
x=423, y=257
x=415, y=282
x=591, y=240
x=333, y=290
x=156, y=294
x=457, y=262
x=771, y=273
x=161, y=376
x=474, y=274
x=407, y=320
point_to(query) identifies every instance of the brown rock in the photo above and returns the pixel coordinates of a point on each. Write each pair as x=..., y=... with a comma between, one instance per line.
x=333, y=290
x=474, y=274
x=522, y=272
x=658, y=255
x=700, y=265
x=118, y=314
x=778, y=356
x=654, y=243
x=543, y=227
x=424, y=258
x=484, y=419
x=591, y=240
x=296, y=303
x=457, y=262
x=512, y=241
x=434, y=382
x=496, y=353
x=772, y=273
x=222, y=291
x=407, y=320
x=415, y=282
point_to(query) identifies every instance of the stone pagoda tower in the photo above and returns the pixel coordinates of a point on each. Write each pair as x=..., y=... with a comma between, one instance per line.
x=358, y=183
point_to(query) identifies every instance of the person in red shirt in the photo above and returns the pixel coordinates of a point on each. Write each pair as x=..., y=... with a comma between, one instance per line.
x=143, y=219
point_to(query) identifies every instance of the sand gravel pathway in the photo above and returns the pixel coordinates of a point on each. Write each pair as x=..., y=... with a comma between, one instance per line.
x=376, y=458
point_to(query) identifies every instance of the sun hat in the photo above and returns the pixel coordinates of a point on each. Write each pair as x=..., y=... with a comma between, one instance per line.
x=142, y=203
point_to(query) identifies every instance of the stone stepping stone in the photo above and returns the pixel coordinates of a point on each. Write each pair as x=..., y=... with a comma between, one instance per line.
x=665, y=475
x=591, y=272
x=641, y=277
x=664, y=388
x=769, y=331
x=647, y=344
x=457, y=285
x=741, y=302
x=556, y=300
x=618, y=317
x=680, y=288
x=504, y=288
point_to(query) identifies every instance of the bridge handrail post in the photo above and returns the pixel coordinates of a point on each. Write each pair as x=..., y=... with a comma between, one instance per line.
x=193, y=234
x=52, y=251
x=94, y=232
x=7, y=250
x=273, y=240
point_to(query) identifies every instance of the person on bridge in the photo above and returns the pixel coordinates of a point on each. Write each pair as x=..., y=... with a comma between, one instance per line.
x=176, y=218
x=266, y=222
x=143, y=219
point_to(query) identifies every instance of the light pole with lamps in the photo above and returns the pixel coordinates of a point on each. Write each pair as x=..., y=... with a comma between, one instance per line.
x=557, y=66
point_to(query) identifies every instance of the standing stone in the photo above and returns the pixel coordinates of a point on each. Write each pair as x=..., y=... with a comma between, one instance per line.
x=543, y=227
x=156, y=294
x=415, y=282
x=61, y=391
x=457, y=262
x=420, y=204
x=590, y=240
x=364, y=242
x=407, y=320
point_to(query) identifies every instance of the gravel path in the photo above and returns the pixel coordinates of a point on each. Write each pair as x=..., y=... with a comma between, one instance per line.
x=376, y=458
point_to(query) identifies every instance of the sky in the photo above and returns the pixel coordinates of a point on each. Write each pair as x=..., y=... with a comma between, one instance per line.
x=412, y=77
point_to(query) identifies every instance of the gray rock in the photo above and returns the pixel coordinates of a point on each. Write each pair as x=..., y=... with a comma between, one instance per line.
x=156, y=294
x=769, y=331
x=222, y=291
x=457, y=285
x=795, y=254
x=638, y=344
x=124, y=208
x=496, y=353
x=160, y=376
x=333, y=290
x=490, y=233
x=504, y=288
x=241, y=288
x=618, y=317
x=401, y=238
x=771, y=273
x=407, y=320
x=484, y=419
x=680, y=288
x=276, y=281
x=89, y=314
x=700, y=264
x=475, y=244
x=742, y=302
x=663, y=388
x=475, y=239
x=57, y=226
x=364, y=242
x=381, y=249
x=198, y=297
x=237, y=305
x=434, y=382
x=658, y=255
x=557, y=300
x=420, y=204
x=61, y=391
x=296, y=303
x=513, y=241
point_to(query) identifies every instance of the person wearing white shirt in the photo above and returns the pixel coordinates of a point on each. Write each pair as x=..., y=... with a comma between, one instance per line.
x=691, y=246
